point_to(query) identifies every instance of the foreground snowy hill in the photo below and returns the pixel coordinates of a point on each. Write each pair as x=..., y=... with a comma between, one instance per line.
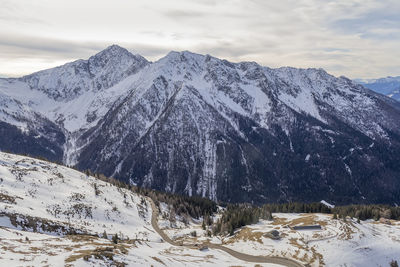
x=51, y=215
x=199, y=125
x=44, y=197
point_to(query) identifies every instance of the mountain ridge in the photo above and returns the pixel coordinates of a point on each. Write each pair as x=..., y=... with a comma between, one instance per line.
x=195, y=124
x=389, y=86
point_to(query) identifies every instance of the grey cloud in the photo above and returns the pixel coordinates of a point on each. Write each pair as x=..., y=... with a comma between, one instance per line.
x=150, y=51
x=332, y=49
x=386, y=17
x=189, y=14
x=177, y=13
x=8, y=6
x=323, y=56
x=208, y=2
x=382, y=35
x=238, y=48
x=9, y=13
x=21, y=20
x=12, y=46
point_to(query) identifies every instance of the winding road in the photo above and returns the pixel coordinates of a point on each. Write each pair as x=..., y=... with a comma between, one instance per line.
x=238, y=255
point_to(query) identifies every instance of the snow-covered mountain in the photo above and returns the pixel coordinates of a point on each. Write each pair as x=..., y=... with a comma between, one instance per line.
x=199, y=125
x=389, y=86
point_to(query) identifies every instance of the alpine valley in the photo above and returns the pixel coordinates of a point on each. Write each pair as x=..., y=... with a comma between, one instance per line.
x=198, y=125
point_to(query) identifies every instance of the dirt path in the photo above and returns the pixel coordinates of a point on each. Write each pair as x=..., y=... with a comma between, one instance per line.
x=233, y=253
x=154, y=223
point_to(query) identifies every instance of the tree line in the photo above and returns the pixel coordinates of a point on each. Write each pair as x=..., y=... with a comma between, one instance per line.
x=238, y=215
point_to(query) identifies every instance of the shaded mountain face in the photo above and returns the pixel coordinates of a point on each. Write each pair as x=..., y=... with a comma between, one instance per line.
x=389, y=86
x=198, y=125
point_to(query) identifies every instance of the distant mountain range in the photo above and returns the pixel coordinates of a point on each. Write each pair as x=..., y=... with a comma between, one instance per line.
x=198, y=125
x=389, y=86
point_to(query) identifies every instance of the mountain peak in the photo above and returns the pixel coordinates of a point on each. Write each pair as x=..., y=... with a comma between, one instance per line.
x=183, y=55
x=115, y=47
x=101, y=71
x=112, y=51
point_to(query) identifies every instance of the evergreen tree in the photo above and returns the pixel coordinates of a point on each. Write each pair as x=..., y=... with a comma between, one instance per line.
x=115, y=238
x=105, y=235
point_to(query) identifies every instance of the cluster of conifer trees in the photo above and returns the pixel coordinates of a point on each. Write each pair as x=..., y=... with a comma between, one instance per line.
x=365, y=212
x=238, y=215
x=194, y=206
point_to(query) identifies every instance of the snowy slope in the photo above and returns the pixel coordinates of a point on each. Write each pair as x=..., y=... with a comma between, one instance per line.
x=338, y=243
x=46, y=250
x=55, y=216
x=63, y=196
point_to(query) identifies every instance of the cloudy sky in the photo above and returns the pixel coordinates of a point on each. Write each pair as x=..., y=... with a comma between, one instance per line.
x=355, y=38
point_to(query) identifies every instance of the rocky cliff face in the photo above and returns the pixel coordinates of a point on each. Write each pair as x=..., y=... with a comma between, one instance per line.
x=199, y=125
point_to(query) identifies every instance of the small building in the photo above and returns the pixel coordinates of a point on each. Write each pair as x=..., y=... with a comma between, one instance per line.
x=307, y=227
